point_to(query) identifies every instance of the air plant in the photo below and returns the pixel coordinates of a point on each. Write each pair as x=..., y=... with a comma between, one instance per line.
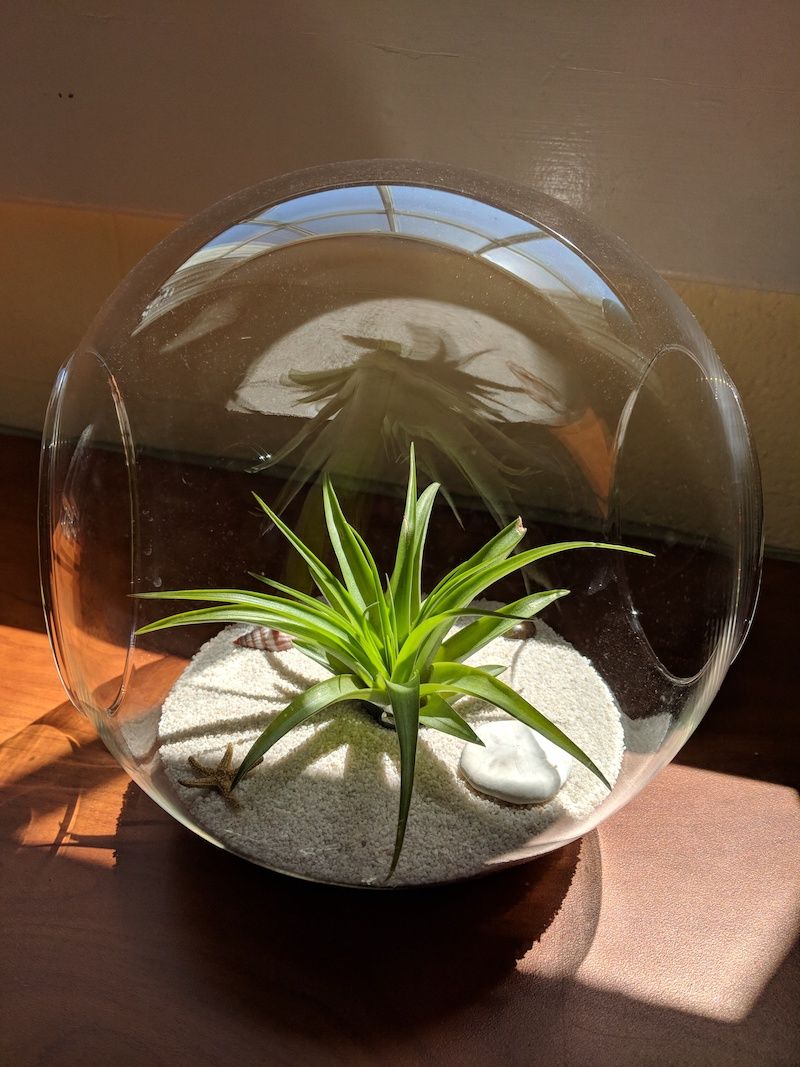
x=386, y=643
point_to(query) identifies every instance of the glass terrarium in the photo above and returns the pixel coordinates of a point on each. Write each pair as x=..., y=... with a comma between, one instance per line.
x=318, y=342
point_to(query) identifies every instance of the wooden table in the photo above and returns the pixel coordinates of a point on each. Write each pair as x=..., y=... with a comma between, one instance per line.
x=665, y=937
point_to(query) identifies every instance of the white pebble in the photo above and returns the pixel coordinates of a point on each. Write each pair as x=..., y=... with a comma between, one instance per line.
x=516, y=764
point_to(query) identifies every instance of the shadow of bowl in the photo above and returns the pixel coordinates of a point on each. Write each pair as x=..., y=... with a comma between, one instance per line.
x=309, y=957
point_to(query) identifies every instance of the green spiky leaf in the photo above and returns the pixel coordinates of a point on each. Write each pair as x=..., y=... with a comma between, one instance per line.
x=310, y=702
x=476, y=682
x=437, y=714
x=405, y=706
x=473, y=637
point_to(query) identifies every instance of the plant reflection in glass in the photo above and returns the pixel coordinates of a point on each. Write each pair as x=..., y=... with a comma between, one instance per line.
x=394, y=397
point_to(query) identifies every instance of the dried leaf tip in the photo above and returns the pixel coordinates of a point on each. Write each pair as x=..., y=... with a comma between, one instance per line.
x=521, y=530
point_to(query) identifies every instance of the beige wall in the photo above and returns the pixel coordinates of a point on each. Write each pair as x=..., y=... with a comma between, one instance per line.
x=756, y=335
x=674, y=125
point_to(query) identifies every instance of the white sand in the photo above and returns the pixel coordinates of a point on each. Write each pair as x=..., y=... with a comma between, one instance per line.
x=323, y=804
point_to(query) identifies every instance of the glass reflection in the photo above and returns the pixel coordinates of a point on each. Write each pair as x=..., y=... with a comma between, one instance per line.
x=389, y=324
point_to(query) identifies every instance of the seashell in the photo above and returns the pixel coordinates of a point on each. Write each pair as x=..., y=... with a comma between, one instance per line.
x=267, y=640
x=516, y=765
x=521, y=631
x=387, y=719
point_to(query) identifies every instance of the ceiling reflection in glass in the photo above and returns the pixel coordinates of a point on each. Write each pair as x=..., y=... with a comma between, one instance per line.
x=451, y=220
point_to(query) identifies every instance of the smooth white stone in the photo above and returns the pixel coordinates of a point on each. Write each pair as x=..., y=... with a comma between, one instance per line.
x=516, y=765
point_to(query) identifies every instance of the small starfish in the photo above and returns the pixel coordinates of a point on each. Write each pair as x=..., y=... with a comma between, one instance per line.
x=219, y=777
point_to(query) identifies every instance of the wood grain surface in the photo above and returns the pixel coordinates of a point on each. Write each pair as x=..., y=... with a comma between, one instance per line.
x=666, y=937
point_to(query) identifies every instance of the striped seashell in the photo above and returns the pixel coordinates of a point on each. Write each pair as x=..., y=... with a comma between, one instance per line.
x=267, y=640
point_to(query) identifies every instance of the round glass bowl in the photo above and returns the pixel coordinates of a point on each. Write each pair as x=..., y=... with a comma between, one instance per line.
x=318, y=324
